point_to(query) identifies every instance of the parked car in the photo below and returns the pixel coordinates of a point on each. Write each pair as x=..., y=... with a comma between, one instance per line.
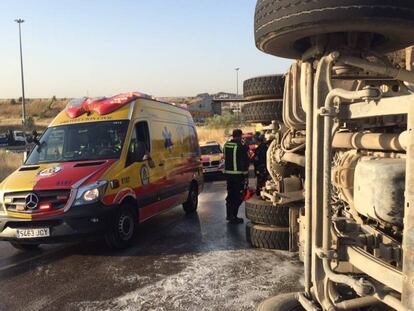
x=13, y=138
x=18, y=138
x=4, y=140
x=212, y=158
x=101, y=167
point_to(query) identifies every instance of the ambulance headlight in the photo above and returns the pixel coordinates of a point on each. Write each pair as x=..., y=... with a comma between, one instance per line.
x=91, y=193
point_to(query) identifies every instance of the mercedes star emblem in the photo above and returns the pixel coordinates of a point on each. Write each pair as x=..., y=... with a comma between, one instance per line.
x=31, y=201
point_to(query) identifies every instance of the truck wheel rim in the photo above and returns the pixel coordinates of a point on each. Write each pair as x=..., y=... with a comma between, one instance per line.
x=125, y=227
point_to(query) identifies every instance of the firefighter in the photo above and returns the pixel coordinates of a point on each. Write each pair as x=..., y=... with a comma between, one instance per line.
x=236, y=169
x=259, y=162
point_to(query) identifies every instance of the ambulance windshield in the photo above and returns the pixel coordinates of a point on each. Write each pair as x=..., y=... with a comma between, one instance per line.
x=80, y=142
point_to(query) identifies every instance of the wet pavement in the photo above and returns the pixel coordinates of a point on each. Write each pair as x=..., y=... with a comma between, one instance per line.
x=179, y=262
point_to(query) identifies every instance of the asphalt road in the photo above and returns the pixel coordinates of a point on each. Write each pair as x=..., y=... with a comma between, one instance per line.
x=178, y=262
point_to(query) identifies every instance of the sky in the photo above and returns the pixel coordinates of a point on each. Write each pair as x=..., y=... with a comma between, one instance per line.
x=100, y=48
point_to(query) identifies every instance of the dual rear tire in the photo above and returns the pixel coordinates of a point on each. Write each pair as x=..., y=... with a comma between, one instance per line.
x=265, y=94
x=269, y=226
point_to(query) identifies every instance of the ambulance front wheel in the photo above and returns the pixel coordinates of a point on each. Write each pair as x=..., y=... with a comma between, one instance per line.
x=122, y=229
x=190, y=206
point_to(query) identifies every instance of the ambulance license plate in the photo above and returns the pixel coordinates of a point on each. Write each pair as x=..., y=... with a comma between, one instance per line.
x=32, y=233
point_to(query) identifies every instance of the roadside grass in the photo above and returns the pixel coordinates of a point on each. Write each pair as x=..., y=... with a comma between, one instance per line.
x=38, y=108
x=9, y=162
x=41, y=111
x=207, y=134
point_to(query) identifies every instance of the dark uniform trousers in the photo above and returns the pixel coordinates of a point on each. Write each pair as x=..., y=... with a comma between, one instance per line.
x=235, y=192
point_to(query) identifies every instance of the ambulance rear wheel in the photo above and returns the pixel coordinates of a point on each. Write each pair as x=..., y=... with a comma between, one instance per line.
x=25, y=247
x=190, y=206
x=122, y=229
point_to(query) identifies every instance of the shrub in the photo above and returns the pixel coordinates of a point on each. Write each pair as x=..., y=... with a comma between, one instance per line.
x=225, y=121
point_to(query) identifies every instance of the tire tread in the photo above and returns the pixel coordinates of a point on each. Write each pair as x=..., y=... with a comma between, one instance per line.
x=262, y=212
x=264, y=111
x=264, y=87
x=268, y=236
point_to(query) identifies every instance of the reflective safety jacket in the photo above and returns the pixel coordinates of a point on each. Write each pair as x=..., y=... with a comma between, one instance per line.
x=236, y=158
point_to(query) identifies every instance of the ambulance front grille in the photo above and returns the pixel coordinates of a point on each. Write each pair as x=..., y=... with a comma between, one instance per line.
x=16, y=201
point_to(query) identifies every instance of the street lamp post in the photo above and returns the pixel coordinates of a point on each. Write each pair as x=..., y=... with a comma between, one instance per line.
x=20, y=21
x=237, y=81
x=237, y=88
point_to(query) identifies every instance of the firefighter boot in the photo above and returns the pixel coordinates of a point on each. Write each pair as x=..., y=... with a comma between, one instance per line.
x=235, y=219
x=229, y=213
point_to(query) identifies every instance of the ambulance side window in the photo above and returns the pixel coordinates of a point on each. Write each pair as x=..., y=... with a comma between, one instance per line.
x=140, y=144
x=143, y=135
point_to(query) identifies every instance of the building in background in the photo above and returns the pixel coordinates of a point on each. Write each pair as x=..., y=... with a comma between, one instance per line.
x=206, y=105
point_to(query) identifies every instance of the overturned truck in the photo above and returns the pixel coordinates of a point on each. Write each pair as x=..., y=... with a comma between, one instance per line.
x=342, y=157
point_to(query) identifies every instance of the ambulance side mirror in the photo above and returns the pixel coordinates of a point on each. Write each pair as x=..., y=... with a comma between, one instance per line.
x=147, y=157
x=33, y=138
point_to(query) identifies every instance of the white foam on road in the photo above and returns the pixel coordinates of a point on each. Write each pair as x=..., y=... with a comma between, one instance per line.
x=216, y=280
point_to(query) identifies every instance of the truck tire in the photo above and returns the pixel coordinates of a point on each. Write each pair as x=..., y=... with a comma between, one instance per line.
x=282, y=302
x=284, y=27
x=264, y=87
x=264, y=111
x=269, y=237
x=262, y=212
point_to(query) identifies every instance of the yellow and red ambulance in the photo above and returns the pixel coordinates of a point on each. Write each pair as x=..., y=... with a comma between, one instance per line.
x=102, y=166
